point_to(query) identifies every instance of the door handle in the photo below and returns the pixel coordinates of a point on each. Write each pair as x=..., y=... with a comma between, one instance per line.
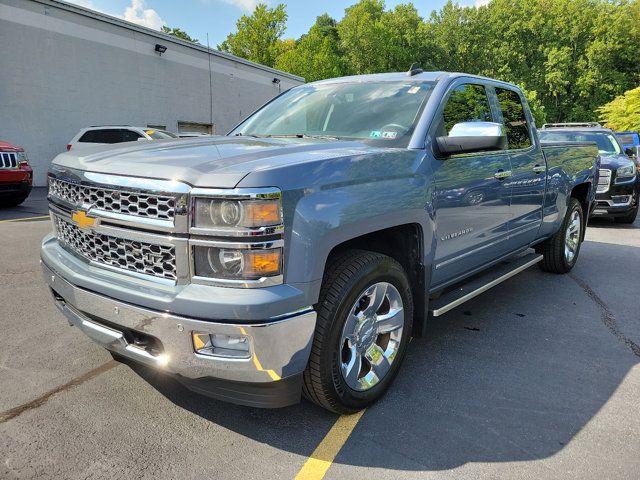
x=502, y=174
x=539, y=169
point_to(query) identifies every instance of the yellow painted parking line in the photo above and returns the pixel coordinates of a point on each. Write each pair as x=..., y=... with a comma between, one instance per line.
x=42, y=217
x=315, y=468
x=256, y=362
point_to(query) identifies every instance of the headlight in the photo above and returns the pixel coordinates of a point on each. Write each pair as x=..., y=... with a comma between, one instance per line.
x=22, y=159
x=237, y=237
x=227, y=263
x=626, y=171
x=231, y=213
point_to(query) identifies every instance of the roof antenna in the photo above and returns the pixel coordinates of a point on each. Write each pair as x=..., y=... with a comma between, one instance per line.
x=414, y=69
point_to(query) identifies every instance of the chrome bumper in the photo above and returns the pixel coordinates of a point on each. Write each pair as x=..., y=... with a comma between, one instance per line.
x=279, y=349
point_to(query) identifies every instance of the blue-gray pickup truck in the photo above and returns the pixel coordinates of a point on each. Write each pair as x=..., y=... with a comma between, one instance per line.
x=299, y=253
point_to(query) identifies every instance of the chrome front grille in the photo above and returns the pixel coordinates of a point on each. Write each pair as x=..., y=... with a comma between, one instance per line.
x=135, y=256
x=154, y=206
x=604, y=180
x=8, y=160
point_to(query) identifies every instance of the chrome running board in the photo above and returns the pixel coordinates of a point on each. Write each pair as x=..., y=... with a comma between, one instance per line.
x=456, y=297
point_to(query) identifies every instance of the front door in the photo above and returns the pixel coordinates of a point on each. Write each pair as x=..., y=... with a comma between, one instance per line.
x=472, y=193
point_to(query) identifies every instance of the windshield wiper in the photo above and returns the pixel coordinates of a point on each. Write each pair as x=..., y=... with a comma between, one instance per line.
x=240, y=134
x=304, y=135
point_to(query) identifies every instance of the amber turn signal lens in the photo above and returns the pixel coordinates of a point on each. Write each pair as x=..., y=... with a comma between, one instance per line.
x=262, y=263
x=262, y=213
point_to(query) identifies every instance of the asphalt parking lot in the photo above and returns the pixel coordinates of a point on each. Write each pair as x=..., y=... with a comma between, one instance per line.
x=538, y=378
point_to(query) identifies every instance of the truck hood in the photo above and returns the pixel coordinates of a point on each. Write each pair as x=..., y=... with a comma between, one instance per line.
x=613, y=162
x=218, y=162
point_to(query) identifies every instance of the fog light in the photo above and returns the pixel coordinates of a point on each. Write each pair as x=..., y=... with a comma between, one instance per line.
x=620, y=198
x=221, y=345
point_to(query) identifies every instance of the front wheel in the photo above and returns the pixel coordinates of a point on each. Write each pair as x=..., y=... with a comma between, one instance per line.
x=560, y=252
x=15, y=201
x=365, y=314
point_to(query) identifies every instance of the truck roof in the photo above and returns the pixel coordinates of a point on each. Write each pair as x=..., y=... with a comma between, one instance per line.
x=403, y=76
x=575, y=129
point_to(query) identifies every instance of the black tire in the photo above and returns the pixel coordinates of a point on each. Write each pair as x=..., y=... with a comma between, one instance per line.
x=553, y=249
x=629, y=217
x=15, y=201
x=346, y=277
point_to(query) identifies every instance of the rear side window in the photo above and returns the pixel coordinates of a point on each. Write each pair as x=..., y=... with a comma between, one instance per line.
x=111, y=135
x=467, y=103
x=515, y=121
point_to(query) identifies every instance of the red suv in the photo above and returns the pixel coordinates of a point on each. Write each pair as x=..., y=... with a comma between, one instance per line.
x=16, y=176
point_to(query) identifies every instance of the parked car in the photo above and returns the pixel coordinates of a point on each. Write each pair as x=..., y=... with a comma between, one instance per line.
x=108, y=134
x=630, y=140
x=618, y=191
x=299, y=252
x=16, y=175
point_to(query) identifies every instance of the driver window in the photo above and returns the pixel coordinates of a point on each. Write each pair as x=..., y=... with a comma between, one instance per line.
x=467, y=103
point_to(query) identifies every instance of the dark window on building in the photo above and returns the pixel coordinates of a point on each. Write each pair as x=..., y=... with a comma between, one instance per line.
x=467, y=103
x=515, y=121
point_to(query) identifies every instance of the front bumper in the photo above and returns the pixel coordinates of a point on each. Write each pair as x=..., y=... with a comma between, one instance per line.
x=15, y=189
x=619, y=200
x=271, y=377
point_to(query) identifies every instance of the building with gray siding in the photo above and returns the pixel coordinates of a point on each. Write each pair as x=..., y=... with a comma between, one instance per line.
x=65, y=67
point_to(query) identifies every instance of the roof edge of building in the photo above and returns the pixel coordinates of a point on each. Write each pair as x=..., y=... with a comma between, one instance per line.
x=104, y=17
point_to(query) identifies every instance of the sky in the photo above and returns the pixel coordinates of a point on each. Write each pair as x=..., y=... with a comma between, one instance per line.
x=218, y=17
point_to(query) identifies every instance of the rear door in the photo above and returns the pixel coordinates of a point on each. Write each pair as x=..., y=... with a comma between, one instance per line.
x=472, y=197
x=528, y=168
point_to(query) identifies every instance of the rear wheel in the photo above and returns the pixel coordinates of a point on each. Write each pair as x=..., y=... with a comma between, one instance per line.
x=561, y=251
x=364, y=323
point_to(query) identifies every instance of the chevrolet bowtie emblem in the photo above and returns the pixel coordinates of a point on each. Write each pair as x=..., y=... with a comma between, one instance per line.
x=82, y=219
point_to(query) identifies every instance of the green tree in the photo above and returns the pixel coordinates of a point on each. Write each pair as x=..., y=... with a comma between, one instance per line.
x=362, y=38
x=258, y=35
x=181, y=34
x=316, y=55
x=402, y=42
x=622, y=114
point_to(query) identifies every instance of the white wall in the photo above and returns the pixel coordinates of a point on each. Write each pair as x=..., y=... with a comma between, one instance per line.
x=63, y=68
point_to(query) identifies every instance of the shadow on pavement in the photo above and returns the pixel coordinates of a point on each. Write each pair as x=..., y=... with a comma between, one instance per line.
x=604, y=222
x=512, y=375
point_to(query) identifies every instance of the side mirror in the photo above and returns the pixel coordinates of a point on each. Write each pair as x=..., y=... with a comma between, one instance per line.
x=629, y=152
x=471, y=137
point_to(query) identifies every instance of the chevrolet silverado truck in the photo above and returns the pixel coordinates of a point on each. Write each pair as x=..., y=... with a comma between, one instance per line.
x=16, y=175
x=300, y=252
x=618, y=191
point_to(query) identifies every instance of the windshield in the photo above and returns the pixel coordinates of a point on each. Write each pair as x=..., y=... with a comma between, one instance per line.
x=384, y=112
x=160, y=134
x=607, y=143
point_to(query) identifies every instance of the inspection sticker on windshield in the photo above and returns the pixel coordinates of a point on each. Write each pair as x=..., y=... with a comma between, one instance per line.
x=390, y=135
x=415, y=89
x=375, y=134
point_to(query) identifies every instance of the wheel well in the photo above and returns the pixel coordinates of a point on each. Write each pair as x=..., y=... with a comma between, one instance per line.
x=581, y=193
x=404, y=244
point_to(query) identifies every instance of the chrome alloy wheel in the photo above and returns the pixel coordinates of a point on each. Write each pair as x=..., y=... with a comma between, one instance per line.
x=371, y=336
x=572, y=236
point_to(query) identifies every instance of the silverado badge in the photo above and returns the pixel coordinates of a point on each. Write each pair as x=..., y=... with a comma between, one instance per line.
x=82, y=219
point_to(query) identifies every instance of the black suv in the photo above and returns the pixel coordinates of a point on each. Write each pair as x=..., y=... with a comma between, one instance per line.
x=619, y=181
